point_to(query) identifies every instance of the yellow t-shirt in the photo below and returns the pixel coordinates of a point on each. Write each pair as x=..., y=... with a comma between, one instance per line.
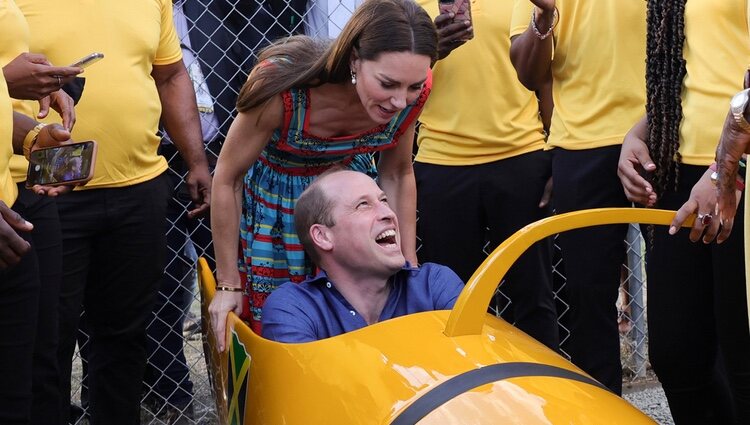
x=716, y=64
x=478, y=112
x=120, y=106
x=598, y=70
x=8, y=189
x=15, y=40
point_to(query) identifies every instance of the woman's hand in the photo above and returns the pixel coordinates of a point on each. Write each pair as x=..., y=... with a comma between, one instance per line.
x=545, y=5
x=702, y=201
x=221, y=305
x=635, y=162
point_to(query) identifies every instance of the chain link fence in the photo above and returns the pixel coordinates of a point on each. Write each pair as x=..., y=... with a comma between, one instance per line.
x=224, y=36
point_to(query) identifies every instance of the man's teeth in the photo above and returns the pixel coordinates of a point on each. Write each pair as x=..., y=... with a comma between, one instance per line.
x=386, y=234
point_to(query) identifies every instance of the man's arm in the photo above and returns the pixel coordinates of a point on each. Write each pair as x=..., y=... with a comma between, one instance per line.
x=530, y=54
x=48, y=136
x=182, y=123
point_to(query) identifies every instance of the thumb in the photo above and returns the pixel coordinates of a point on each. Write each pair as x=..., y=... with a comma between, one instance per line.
x=58, y=133
x=14, y=219
x=644, y=159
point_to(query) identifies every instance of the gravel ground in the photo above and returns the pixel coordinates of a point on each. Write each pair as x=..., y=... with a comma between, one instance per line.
x=650, y=399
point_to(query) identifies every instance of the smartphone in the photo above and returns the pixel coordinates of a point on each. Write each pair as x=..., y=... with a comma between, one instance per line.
x=60, y=165
x=88, y=60
x=460, y=8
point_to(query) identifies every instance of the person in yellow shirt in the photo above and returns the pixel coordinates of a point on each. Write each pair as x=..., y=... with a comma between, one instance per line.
x=113, y=229
x=696, y=294
x=593, y=52
x=481, y=169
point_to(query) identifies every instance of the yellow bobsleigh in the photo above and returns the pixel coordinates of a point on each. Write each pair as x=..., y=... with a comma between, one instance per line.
x=462, y=366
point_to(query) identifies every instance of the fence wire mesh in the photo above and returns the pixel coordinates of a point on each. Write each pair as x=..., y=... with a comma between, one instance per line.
x=221, y=39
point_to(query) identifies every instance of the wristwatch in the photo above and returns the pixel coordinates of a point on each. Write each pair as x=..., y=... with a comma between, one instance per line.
x=737, y=106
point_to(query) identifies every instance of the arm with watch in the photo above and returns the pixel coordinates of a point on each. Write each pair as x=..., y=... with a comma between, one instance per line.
x=734, y=145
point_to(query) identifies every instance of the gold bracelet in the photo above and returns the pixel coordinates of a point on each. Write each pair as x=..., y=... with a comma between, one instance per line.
x=30, y=140
x=228, y=288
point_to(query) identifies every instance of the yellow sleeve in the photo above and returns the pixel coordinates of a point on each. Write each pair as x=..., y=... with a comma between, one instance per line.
x=521, y=17
x=169, y=50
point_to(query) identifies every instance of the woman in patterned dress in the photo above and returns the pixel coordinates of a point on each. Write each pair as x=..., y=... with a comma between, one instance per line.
x=306, y=107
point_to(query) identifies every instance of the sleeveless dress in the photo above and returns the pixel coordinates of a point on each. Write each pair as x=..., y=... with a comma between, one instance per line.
x=271, y=253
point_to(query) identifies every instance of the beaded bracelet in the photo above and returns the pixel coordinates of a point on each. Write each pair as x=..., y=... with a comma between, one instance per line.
x=555, y=20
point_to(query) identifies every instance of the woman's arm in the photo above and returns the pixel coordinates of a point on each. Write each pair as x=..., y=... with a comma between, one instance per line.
x=246, y=139
x=530, y=54
x=396, y=177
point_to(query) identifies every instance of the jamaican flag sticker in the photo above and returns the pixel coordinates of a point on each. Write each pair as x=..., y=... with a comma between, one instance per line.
x=238, y=371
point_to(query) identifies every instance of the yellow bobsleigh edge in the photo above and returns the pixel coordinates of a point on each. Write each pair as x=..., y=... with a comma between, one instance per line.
x=458, y=366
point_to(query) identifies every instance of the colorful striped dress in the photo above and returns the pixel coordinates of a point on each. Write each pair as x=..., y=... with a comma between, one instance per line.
x=271, y=253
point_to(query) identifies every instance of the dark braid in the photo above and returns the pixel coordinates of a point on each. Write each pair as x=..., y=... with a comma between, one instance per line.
x=665, y=70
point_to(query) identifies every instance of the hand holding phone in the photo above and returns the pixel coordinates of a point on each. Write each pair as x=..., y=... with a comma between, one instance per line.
x=459, y=28
x=461, y=10
x=88, y=60
x=71, y=164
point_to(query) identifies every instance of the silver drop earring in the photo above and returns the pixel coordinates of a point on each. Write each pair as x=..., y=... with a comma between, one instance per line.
x=354, y=77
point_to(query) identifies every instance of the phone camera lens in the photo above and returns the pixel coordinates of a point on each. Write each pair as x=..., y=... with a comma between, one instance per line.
x=37, y=167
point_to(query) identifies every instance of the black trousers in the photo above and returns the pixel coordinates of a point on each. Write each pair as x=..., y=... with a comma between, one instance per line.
x=697, y=317
x=42, y=212
x=113, y=259
x=167, y=372
x=593, y=258
x=463, y=208
x=19, y=304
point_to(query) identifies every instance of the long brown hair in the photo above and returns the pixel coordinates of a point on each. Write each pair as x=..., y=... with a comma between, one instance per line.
x=665, y=71
x=377, y=26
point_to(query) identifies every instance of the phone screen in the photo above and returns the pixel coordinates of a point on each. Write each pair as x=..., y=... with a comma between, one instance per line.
x=61, y=164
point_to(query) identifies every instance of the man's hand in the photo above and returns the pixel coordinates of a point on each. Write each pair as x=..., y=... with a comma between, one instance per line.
x=635, y=160
x=221, y=305
x=702, y=201
x=199, y=185
x=50, y=136
x=31, y=76
x=63, y=104
x=451, y=34
x=12, y=246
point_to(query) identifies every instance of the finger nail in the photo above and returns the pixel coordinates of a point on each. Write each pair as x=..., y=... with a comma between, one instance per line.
x=672, y=230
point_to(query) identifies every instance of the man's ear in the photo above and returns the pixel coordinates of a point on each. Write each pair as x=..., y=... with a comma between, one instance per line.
x=322, y=237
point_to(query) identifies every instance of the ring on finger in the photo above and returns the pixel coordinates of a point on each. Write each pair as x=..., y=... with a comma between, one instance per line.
x=705, y=219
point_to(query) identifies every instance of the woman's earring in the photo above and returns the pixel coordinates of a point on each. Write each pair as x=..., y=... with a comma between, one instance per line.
x=354, y=77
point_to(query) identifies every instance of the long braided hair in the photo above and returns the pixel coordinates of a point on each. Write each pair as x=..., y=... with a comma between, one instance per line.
x=665, y=70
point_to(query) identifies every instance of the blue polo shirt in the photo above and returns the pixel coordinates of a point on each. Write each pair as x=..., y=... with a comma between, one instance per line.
x=314, y=309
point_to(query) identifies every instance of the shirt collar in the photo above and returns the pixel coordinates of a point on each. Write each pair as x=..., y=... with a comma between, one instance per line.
x=322, y=276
